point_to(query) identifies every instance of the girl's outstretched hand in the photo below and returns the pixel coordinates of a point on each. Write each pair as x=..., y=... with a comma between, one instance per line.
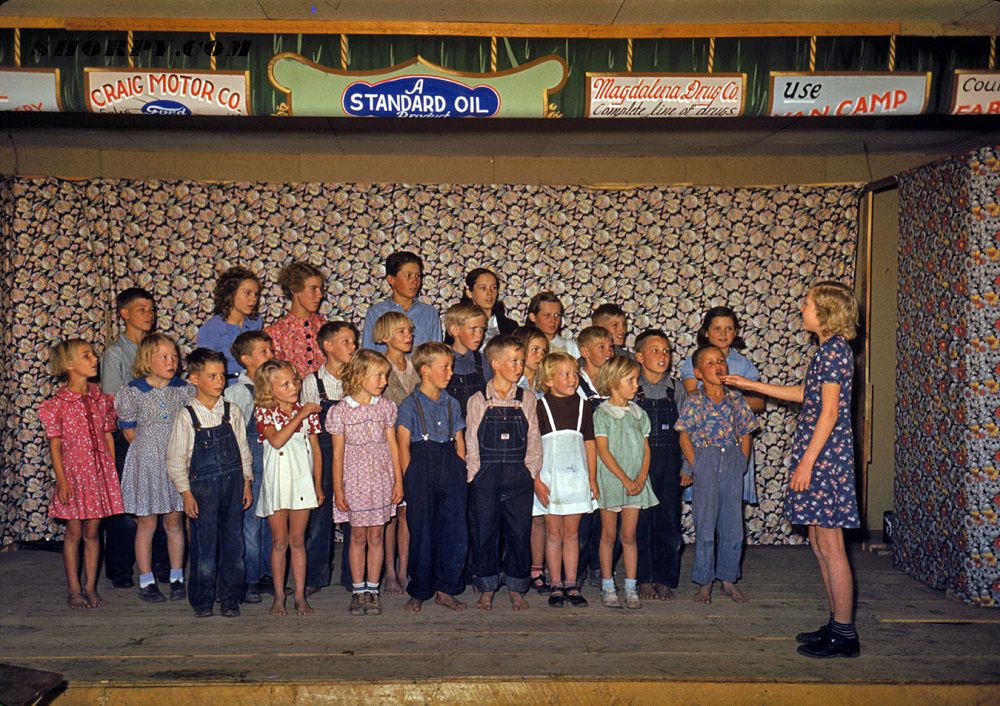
x=737, y=381
x=801, y=477
x=310, y=408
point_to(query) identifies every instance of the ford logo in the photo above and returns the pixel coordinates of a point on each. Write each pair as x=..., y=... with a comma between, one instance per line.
x=165, y=107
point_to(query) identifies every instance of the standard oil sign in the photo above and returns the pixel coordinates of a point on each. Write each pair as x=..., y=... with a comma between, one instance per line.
x=167, y=92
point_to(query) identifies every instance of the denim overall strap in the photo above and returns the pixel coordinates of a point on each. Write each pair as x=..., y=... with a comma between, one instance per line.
x=424, y=427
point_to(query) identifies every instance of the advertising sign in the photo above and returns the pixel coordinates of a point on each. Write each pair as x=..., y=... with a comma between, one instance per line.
x=416, y=89
x=975, y=93
x=167, y=91
x=30, y=90
x=838, y=94
x=678, y=95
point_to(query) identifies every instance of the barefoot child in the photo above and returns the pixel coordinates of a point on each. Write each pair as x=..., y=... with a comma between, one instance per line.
x=146, y=408
x=210, y=465
x=504, y=455
x=432, y=455
x=821, y=491
x=79, y=421
x=367, y=481
x=395, y=330
x=566, y=487
x=658, y=533
x=292, y=486
x=715, y=425
x=466, y=324
x=252, y=349
x=621, y=429
x=338, y=341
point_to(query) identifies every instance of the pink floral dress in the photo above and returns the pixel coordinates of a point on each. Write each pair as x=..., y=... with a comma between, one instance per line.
x=368, y=472
x=81, y=421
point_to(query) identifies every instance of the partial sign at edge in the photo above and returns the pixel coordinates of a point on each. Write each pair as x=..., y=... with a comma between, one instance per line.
x=30, y=90
x=975, y=93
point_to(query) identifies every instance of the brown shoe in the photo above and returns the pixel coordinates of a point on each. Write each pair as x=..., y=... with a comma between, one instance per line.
x=373, y=606
x=357, y=604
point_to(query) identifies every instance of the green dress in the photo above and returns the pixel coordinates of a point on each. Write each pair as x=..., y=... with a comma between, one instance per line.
x=626, y=429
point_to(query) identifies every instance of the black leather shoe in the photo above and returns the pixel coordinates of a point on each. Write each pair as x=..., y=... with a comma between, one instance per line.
x=177, y=591
x=266, y=585
x=151, y=594
x=252, y=594
x=807, y=638
x=124, y=582
x=229, y=609
x=203, y=612
x=833, y=645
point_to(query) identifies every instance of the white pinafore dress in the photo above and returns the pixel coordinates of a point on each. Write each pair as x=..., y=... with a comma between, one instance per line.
x=564, y=470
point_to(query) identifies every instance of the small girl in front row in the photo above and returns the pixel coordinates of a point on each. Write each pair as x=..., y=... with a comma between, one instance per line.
x=79, y=421
x=146, y=407
x=367, y=480
x=715, y=425
x=621, y=430
x=292, y=485
x=566, y=487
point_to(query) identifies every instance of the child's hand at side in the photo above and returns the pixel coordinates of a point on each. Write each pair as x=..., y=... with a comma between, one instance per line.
x=686, y=480
x=801, y=476
x=63, y=492
x=542, y=491
x=320, y=495
x=340, y=500
x=397, y=493
x=595, y=491
x=247, y=495
x=190, y=504
x=632, y=487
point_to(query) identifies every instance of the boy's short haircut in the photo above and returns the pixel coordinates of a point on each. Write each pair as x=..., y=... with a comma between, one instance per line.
x=547, y=370
x=700, y=352
x=649, y=333
x=500, y=344
x=394, y=263
x=292, y=277
x=132, y=294
x=332, y=328
x=536, y=302
x=613, y=372
x=607, y=311
x=427, y=352
x=591, y=335
x=142, y=366
x=62, y=356
x=243, y=345
x=387, y=324
x=458, y=314
x=362, y=364
x=200, y=357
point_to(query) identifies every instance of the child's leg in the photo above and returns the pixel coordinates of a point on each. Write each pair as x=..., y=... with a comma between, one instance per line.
x=609, y=531
x=375, y=538
x=359, y=542
x=391, y=580
x=402, y=546
x=630, y=518
x=838, y=577
x=297, y=522
x=516, y=527
x=729, y=549
x=570, y=546
x=91, y=558
x=705, y=511
x=554, y=548
x=539, y=548
x=71, y=560
x=484, y=507
x=145, y=527
x=278, y=522
x=814, y=543
x=173, y=525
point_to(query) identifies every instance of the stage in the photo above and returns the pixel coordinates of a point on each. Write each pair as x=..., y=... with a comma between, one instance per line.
x=917, y=645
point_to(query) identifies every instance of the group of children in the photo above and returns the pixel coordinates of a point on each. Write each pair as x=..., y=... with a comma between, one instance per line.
x=445, y=461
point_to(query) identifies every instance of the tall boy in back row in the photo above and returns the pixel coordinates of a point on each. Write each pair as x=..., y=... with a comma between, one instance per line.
x=404, y=272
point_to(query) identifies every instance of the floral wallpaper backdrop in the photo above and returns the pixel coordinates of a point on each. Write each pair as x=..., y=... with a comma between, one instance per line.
x=947, y=488
x=664, y=253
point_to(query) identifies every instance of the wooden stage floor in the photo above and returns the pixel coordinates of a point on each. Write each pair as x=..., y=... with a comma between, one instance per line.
x=917, y=644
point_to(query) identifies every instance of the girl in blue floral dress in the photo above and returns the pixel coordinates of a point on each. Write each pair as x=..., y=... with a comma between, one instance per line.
x=821, y=490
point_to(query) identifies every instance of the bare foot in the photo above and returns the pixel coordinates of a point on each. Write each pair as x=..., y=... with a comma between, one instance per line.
x=76, y=601
x=647, y=592
x=485, y=601
x=302, y=606
x=94, y=599
x=663, y=593
x=413, y=605
x=449, y=602
x=703, y=594
x=736, y=594
x=517, y=601
x=391, y=586
x=278, y=606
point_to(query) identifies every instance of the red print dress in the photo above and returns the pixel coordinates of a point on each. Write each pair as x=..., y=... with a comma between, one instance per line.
x=81, y=421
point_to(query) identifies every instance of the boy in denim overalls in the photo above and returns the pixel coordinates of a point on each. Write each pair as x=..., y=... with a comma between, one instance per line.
x=210, y=464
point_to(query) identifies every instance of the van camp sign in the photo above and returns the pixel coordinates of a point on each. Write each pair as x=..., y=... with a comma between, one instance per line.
x=167, y=92
x=416, y=89
x=843, y=95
